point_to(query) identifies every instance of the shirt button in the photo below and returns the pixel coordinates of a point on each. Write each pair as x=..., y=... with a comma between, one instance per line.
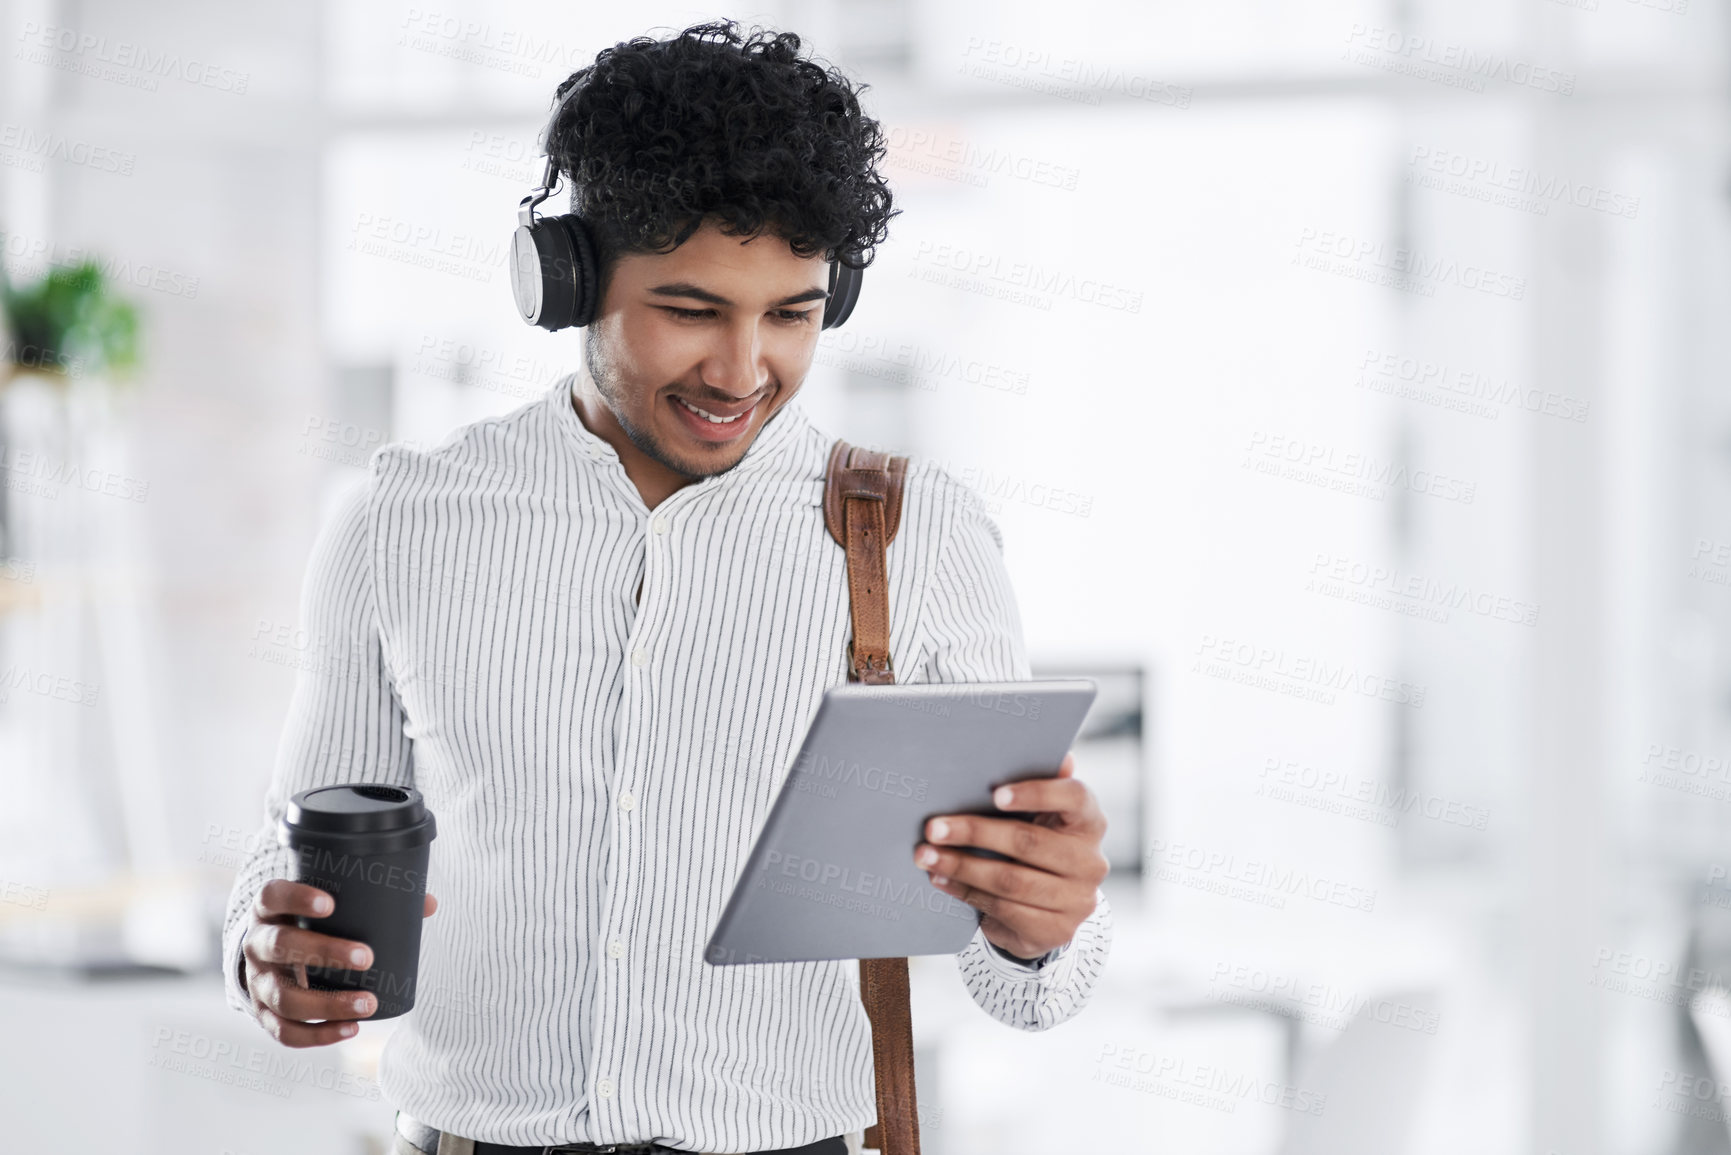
x=616, y=949
x=640, y=657
x=605, y=1087
x=628, y=801
x=660, y=525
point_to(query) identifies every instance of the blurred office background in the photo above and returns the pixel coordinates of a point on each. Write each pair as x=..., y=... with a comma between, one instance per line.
x=1349, y=380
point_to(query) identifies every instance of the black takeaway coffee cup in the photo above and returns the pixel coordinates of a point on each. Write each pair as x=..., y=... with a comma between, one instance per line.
x=367, y=846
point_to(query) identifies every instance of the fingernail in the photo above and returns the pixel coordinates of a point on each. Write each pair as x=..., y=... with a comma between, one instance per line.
x=1003, y=796
x=940, y=828
x=347, y=1029
x=321, y=906
x=940, y=880
x=928, y=856
x=358, y=957
x=363, y=1003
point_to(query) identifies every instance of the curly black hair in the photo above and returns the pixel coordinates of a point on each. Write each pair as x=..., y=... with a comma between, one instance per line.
x=710, y=124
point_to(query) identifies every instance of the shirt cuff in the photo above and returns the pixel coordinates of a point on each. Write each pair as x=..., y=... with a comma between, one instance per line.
x=1012, y=967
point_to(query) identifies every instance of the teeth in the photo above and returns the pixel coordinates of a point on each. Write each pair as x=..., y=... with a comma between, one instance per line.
x=710, y=417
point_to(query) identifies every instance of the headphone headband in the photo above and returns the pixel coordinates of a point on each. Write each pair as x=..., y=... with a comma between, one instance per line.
x=550, y=175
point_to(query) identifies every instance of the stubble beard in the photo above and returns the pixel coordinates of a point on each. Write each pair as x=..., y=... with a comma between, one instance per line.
x=613, y=393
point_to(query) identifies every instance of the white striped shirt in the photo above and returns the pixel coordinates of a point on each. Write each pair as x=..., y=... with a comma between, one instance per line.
x=599, y=769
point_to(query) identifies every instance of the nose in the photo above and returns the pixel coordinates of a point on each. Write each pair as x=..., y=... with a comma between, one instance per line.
x=736, y=365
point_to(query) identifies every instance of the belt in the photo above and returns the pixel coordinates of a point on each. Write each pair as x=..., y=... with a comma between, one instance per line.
x=431, y=1141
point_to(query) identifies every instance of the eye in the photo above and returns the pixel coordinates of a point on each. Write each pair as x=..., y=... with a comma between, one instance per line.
x=689, y=314
x=795, y=316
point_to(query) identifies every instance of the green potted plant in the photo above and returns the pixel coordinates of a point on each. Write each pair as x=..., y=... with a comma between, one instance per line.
x=67, y=331
x=68, y=323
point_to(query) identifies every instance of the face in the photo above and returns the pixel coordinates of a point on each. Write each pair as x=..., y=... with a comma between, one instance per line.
x=727, y=325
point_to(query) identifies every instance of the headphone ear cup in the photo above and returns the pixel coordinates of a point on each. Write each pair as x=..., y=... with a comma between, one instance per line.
x=542, y=273
x=844, y=285
x=553, y=275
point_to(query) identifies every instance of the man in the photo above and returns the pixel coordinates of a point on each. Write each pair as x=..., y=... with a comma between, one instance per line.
x=591, y=633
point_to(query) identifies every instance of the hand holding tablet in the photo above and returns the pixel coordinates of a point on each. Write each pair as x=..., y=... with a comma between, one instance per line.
x=1033, y=900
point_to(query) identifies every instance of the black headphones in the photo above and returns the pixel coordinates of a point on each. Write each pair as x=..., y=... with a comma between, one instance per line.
x=553, y=268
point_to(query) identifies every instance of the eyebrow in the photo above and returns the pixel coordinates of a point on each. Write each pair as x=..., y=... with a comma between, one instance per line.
x=687, y=289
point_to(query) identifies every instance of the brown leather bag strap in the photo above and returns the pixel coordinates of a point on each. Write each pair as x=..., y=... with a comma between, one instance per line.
x=862, y=507
x=883, y=988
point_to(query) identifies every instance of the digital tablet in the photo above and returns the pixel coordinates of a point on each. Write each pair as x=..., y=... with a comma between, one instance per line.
x=832, y=874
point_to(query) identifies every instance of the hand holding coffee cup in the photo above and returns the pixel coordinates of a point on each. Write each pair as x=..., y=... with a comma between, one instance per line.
x=365, y=849
x=277, y=952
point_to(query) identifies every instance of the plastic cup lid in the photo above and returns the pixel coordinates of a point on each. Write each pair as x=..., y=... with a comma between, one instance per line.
x=356, y=808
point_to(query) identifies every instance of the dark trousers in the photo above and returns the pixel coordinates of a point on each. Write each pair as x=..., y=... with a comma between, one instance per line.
x=416, y=1138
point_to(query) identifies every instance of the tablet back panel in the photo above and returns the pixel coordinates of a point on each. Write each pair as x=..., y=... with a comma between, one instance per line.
x=832, y=874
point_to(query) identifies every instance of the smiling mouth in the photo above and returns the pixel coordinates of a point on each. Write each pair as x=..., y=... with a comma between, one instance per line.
x=715, y=418
x=711, y=428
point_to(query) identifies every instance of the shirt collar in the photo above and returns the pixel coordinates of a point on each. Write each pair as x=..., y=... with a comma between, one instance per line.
x=773, y=443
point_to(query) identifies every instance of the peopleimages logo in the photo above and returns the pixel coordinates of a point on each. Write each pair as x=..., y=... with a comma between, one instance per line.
x=271, y=1072
x=467, y=255
x=121, y=61
x=520, y=51
x=1361, y=258
x=331, y=439
x=1341, y=793
x=1199, y=1084
x=841, y=771
x=1656, y=980
x=36, y=255
x=1697, y=1096
x=1463, y=390
x=20, y=894
x=1038, y=279
x=1424, y=57
x=1261, y=882
x=32, y=147
x=989, y=491
x=913, y=364
x=1687, y=771
x=24, y=355
x=837, y=884
x=1315, y=1003
x=939, y=154
x=1306, y=676
x=1389, y=587
x=965, y=693
x=1351, y=472
x=36, y=466
x=1067, y=77
x=319, y=865
x=492, y=370
x=57, y=686
x=1512, y=186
